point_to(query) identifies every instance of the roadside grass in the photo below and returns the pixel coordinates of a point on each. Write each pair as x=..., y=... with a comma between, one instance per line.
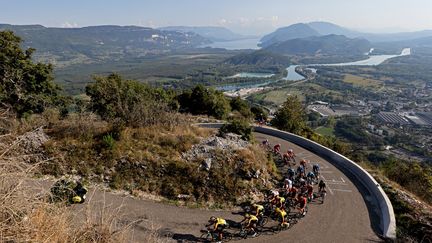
x=149, y=159
x=26, y=215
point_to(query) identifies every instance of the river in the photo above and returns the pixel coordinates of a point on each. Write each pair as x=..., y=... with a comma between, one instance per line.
x=373, y=60
x=292, y=75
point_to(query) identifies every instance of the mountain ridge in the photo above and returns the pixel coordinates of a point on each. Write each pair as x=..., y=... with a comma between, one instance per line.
x=325, y=28
x=213, y=33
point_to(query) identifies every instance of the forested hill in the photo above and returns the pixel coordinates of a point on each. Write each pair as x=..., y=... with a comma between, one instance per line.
x=326, y=45
x=258, y=58
x=101, y=42
x=287, y=33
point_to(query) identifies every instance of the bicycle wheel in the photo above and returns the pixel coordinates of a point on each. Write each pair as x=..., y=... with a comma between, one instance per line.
x=243, y=233
x=227, y=236
x=207, y=237
x=276, y=229
x=292, y=221
x=263, y=221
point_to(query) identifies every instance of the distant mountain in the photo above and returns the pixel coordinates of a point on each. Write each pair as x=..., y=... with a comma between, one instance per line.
x=101, y=42
x=258, y=58
x=420, y=42
x=326, y=28
x=213, y=33
x=392, y=37
x=294, y=31
x=324, y=45
x=302, y=30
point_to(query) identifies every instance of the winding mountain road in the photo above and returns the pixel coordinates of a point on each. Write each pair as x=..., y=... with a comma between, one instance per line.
x=344, y=217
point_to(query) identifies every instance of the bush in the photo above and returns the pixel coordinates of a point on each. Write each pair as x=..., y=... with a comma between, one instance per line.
x=204, y=101
x=109, y=141
x=237, y=104
x=240, y=127
x=413, y=176
x=130, y=102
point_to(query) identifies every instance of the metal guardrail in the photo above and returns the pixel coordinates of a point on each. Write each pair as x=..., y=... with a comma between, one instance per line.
x=387, y=217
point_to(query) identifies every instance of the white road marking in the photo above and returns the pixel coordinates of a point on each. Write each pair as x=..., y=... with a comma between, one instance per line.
x=342, y=190
x=342, y=179
x=336, y=183
x=331, y=191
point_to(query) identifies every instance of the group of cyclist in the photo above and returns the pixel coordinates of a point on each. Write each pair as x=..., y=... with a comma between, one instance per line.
x=296, y=192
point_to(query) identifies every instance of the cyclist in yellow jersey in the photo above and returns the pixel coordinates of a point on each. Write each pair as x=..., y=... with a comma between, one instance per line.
x=259, y=209
x=219, y=224
x=281, y=213
x=279, y=202
x=252, y=221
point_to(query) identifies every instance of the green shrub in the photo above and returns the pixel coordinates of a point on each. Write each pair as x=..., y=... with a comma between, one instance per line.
x=129, y=102
x=108, y=141
x=204, y=101
x=240, y=127
x=237, y=104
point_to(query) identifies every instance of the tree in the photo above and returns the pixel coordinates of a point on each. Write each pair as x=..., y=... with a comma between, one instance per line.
x=237, y=104
x=129, y=101
x=259, y=113
x=291, y=116
x=25, y=86
x=202, y=100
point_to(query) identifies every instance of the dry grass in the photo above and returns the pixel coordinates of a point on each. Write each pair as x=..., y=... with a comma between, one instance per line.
x=27, y=216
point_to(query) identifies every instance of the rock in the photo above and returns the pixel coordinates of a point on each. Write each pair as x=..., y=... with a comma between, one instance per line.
x=207, y=164
x=207, y=147
x=183, y=196
x=33, y=141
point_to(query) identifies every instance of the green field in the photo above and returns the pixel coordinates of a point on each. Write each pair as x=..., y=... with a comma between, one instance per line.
x=325, y=131
x=362, y=81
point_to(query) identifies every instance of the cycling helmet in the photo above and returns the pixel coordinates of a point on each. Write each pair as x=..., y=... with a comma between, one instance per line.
x=212, y=219
x=247, y=215
x=76, y=199
x=290, y=150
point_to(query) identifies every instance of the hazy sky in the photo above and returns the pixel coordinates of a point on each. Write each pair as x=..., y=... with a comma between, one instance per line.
x=244, y=16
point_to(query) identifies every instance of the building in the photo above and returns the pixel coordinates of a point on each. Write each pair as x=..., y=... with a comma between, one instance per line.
x=393, y=118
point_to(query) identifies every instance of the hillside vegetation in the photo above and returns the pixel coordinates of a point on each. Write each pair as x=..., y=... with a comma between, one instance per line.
x=322, y=45
x=65, y=46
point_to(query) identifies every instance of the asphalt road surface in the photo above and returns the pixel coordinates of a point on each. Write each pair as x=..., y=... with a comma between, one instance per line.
x=344, y=217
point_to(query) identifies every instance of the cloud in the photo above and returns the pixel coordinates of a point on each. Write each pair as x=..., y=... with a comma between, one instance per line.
x=275, y=21
x=224, y=22
x=69, y=25
x=260, y=24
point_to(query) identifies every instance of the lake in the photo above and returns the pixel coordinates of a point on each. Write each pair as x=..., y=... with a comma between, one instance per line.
x=235, y=45
x=252, y=75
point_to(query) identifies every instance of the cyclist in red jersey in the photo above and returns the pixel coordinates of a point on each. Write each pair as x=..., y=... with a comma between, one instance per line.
x=277, y=148
x=303, y=162
x=302, y=202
